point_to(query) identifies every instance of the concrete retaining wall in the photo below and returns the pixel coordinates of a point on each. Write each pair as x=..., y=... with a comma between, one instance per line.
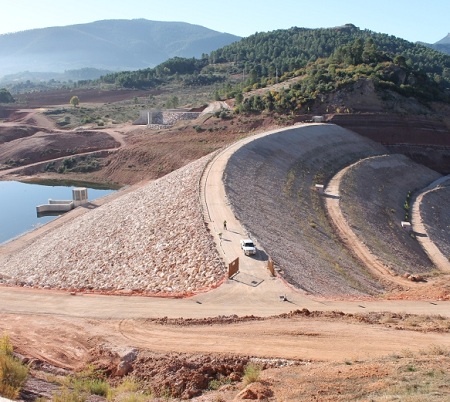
x=167, y=118
x=79, y=197
x=55, y=206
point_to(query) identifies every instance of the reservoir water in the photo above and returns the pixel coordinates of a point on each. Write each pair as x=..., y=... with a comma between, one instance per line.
x=18, y=203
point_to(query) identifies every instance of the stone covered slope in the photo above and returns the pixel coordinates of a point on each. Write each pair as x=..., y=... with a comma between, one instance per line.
x=373, y=194
x=437, y=220
x=153, y=239
x=270, y=183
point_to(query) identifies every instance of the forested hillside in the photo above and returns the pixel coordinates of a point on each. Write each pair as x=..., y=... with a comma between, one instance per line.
x=286, y=50
x=322, y=60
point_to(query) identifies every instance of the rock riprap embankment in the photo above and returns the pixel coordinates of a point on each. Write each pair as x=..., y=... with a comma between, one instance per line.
x=153, y=239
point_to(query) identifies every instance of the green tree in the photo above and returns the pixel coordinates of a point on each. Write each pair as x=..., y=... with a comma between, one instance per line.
x=172, y=102
x=400, y=60
x=74, y=101
x=239, y=98
x=5, y=96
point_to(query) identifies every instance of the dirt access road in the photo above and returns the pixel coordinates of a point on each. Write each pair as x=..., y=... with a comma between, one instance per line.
x=35, y=118
x=63, y=328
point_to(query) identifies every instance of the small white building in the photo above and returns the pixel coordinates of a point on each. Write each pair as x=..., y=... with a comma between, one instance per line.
x=79, y=196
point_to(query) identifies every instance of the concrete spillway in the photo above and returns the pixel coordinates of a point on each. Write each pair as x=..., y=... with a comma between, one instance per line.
x=79, y=197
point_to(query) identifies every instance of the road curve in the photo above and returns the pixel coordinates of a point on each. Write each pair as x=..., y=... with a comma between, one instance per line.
x=348, y=237
x=435, y=255
x=251, y=292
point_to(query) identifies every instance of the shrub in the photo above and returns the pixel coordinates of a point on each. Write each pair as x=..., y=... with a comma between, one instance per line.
x=67, y=395
x=87, y=119
x=214, y=385
x=129, y=384
x=217, y=383
x=68, y=162
x=224, y=114
x=97, y=387
x=135, y=398
x=12, y=372
x=251, y=373
x=87, y=164
x=50, y=167
x=79, y=387
x=131, y=390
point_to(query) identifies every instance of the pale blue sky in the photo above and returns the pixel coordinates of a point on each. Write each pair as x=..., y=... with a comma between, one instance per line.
x=414, y=20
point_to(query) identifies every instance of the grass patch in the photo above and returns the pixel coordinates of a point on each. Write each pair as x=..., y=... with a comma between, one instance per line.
x=436, y=350
x=130, y=389
x=217, y=383
x=80, y=386
x=251, y=373
x=290, y=180
x=13, y=373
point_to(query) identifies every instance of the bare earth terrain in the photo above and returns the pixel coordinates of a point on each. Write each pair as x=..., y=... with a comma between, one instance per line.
x=342, y=331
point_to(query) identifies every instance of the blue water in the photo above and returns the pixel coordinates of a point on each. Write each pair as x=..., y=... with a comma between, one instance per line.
x=18, y=203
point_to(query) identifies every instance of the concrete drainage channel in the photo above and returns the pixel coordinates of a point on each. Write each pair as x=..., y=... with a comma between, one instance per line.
x=247, y=279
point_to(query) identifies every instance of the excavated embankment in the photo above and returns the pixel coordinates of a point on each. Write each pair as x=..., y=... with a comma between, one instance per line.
x=426, y=140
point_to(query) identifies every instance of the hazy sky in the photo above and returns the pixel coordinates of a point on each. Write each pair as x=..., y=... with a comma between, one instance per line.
x=414, y=20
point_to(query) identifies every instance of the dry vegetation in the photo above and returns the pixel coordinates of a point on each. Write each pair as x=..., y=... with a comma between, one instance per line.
x=409, y=376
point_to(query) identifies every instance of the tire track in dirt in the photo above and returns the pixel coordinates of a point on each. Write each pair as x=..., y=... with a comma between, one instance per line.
x=41, y=121
x=298, y=339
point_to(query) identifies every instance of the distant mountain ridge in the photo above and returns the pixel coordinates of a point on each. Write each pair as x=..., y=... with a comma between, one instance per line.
x=108, y=44
x=442, y=45
x=444, y=41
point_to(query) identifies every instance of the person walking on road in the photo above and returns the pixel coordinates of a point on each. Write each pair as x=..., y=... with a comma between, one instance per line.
x=225, y=225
